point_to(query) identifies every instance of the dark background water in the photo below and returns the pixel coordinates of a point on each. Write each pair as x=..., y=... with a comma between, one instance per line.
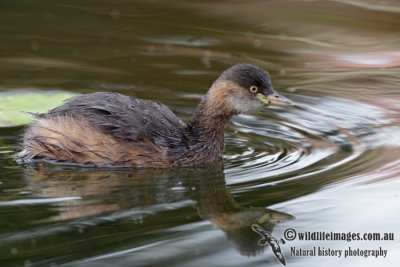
x=332, y=165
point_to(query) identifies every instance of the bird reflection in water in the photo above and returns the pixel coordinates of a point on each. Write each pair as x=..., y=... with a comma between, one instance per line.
x=104, y=192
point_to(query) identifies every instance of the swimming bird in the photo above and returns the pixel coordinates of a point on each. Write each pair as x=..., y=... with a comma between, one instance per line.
x=111, y=129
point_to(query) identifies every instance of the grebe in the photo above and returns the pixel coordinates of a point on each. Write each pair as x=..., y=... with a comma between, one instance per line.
x=111, y=129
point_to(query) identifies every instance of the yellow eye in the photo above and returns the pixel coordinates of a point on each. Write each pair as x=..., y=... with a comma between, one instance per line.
x=253, y=89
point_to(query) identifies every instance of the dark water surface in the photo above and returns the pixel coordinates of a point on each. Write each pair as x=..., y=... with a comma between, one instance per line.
x=331, y=165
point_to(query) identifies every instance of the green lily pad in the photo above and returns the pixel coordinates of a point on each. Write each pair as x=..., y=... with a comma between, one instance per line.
x=15, y=105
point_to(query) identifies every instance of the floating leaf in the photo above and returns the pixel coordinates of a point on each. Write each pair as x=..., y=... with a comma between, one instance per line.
x=15, y=105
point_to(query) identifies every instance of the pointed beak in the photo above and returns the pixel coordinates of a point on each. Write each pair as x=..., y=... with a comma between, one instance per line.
x=275, y=99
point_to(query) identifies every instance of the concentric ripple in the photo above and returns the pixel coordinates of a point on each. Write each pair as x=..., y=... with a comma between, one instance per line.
x=318, y=136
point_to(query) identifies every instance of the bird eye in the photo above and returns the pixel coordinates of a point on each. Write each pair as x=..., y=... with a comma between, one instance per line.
x=253, y=89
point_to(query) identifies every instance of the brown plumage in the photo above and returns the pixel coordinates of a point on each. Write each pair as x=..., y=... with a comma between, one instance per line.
x=112, y=129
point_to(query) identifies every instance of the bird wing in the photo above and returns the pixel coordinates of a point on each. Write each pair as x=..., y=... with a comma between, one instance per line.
x=125, y=118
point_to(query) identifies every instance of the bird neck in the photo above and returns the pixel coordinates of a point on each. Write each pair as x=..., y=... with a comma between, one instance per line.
x=214, y=112
x=210, y=114
x=206, y=126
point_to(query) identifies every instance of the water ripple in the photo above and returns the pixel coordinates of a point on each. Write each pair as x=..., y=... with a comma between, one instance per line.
x=322, y=136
